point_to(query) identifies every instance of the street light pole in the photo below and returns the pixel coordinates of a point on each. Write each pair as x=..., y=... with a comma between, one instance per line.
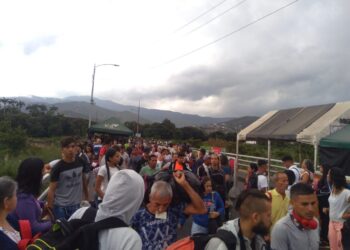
x=93, y=85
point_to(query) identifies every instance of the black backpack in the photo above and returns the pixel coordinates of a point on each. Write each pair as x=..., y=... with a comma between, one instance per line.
x=179, y=194
x=253, y=181
x=75, y=234
x=200, y=241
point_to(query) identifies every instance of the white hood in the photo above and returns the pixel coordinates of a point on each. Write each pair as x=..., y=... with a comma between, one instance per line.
x=123, y=196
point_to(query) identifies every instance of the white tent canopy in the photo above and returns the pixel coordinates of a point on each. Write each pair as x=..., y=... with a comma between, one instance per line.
x=304, y=124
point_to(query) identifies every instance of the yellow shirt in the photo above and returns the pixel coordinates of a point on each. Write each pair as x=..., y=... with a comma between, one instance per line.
x=279, y=206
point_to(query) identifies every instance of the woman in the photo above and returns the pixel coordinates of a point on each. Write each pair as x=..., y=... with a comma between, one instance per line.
x=106, y=172
x=217, y=176
x=215, y=206
x=307, y=175
x=29, y=176
x=339, y=203
x=323, y=191
x=252, y=168
x=9, y=237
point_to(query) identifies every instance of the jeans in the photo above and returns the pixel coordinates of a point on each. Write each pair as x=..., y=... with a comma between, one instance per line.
x=64, y=212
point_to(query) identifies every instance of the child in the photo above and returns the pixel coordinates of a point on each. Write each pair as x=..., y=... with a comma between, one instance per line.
x=215, y=206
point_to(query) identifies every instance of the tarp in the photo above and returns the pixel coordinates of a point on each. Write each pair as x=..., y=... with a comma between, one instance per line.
x=286, y=124
x=339, y=139
x=243, y=133
x=336, y=157
x=111, y=126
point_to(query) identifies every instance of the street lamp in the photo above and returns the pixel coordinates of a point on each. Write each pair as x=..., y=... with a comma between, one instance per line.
x=93, y=84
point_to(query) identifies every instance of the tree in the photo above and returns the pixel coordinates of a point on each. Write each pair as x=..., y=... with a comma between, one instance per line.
x=191, y=133
x=12, y=140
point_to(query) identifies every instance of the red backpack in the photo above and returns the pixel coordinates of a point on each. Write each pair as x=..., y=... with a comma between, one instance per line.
x=26, y=234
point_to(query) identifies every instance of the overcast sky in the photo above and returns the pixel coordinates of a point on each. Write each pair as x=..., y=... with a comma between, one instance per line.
x=297, y=56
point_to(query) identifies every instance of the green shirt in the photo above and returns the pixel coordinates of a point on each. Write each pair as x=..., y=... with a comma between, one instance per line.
x=146, y=170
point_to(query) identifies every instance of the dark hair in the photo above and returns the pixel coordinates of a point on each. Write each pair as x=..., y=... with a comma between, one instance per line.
x=109, y=154
x=181, y=154
x=287, y=158
x=223, y=160
x=107, y=140
x=152, y=156
x=250, y=201
x=323, y=180
x=7, y=189
x=300, y=189
x=29, y=176
x=65, y=142
x=291, y=176
x=262, y=163
x=203, y=151
x=147, y=150
x=337, y=178
x=253, y=166
x=309, y=165
x=204, y=180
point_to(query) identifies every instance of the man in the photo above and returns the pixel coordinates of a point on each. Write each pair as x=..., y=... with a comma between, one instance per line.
x=261, y=174
x=125, y=157
x=180, y=162
x=279, y=199
x=200, y=160
x=157, y=222
x=204, y=169
x=254, y=222
x=288, y=163
x=299, y=229
x=149, y=169
x=67, y=182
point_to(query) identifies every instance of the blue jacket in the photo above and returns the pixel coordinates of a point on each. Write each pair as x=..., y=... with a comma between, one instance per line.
x=212, y=202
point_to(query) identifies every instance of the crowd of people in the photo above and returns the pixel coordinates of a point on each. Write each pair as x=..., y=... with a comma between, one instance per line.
x=155, y=188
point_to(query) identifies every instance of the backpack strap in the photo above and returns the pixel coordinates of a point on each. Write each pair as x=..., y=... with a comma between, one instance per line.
x=89, y=214
x=88, y=238
x=228, y=238
x=26, y=234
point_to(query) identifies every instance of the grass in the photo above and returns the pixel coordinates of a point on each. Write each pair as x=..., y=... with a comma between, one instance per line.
x=46, y=149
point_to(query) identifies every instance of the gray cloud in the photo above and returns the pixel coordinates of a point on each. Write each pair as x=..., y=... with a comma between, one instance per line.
x=32, y=46
x=298, y=57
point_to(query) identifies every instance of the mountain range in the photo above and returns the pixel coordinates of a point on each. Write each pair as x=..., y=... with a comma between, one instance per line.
x=80, y=107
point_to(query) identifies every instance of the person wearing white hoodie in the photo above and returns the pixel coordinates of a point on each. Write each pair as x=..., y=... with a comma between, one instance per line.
x=122, y=199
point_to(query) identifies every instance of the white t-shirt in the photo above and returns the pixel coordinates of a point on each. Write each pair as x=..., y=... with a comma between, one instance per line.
x=338, y=205
x=297, y=173
x=262, y=181
x=122, y=238
x=103, y=172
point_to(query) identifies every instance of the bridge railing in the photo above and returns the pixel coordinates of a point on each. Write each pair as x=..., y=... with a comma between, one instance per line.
x=245, y=160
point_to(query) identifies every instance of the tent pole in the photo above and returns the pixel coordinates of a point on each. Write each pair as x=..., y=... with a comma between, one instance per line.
x=315, y=155
x=268, y=163
x=235, y=170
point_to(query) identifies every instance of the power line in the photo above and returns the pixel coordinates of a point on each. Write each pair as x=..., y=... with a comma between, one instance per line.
x=191, y=21
x=225, y=36
x=196, y=18
x=221, y=14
